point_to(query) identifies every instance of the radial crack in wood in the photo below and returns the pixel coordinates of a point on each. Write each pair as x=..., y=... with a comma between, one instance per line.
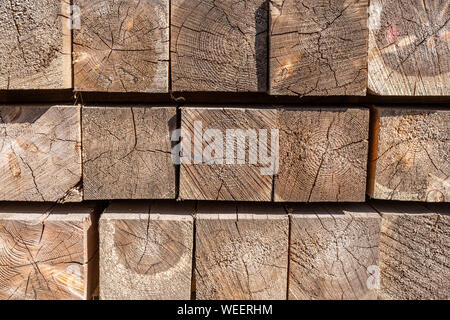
x=122, y=46
x=127, y=152
x=318, y=48
x=218, y=144
x=414, y=251
x=48, y=252
x=219, y=45
x=412, y=160
x=334, y=252
x=241, y=252
x=409, y=47
x=323, y=155
x=146, y=251
x=35, y=45
x=40, y=153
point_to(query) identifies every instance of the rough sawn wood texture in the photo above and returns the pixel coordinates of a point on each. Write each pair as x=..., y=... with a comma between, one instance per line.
x=412, y=161
x=127, y=152
x=409, y=47
x=323, y=155
x=333, y=250
x=318, y=47
x=219, y=45
x=40, y=153
x=146, y=251
x=414, y=251
x=48, y=252
x=122, y=46
x=241, y=252
x=35, y=45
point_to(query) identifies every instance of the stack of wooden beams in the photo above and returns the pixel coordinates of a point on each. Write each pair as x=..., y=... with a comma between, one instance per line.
x=344, y=194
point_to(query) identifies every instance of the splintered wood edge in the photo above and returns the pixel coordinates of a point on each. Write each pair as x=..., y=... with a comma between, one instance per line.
x=411, y=209
x=231, y=211
x=123, y=208
x=158, y=210
x=49, y=212
x=341, y=210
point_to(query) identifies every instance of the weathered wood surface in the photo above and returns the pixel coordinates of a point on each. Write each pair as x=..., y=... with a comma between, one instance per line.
x=323, y=155
x=40, y=153
x=409, y=47
x=127, y=152
x=219, y=45
x=207, y=173
x=333, y=249
x=35, y=45
x=241, y=252
x=48, y=252
x=122, y=46
x=412, y=161
x=414, y=251
x=146, y=251
x=318, y=47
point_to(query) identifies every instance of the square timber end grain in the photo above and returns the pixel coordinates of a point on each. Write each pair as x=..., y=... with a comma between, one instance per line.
x=241, y=252
x=323, y=155
x=40, y=153
x=122, y=46
x=48, y=252
x=146, y=251
x=127, y=152
x=414, y=251
x=35, y=45
x=318, y=48
x=334, y=252
x=409, y=48
x=412, y=160
x=220, y=158
x=219, y=45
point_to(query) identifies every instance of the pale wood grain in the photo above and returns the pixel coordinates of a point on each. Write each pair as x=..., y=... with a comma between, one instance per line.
x=414, y=251
x=323, y=155
x=35, y=45
x=48, y=252
x=127, y=152
x=318, y=48
x=219, y=45
x=412, y=160
x=331, y=250
x=146, y=251
x=122, y=46
x=214, y=178
x=241, y=252
x=40, y=153
x=409, y=47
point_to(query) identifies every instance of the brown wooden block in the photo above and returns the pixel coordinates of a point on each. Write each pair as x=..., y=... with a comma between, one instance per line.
x=225, y=173
x=323, y=155
x=409, y=47
x=48, y=252
x=318, y=48
x=241, y=252
x=334, y=252
x=122, y=46
x=146, y=251
x=127, y=152
x=35, y=45
x=414, y=251
x=412, y=161
x=219, y=45
x=40, y=153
